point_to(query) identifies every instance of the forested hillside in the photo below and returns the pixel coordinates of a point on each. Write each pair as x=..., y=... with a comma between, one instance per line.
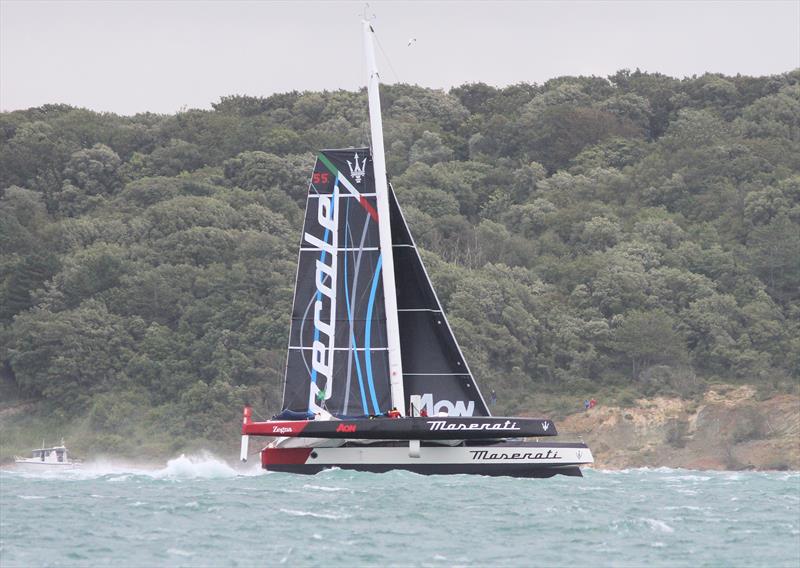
x=638, y=233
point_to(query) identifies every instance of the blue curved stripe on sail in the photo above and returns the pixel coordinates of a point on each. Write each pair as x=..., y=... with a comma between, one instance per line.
x=350, y=311
x=367, y=335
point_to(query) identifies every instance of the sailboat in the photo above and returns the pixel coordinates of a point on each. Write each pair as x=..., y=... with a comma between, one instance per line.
x=375, y=379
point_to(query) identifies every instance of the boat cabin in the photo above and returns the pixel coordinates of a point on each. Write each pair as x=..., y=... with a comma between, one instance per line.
x=51, y=455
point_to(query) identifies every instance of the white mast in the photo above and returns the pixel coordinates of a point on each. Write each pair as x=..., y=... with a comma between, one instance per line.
x=384, y=226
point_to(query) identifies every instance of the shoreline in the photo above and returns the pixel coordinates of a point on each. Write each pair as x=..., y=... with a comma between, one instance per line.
x=729, y=429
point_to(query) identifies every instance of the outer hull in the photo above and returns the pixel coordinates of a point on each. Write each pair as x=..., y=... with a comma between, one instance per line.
x=506, y=458
x=24, y=465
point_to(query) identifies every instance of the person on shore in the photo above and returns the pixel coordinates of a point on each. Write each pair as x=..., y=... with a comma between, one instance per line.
x=493, y=398
x=592, y=403
x=586, y=405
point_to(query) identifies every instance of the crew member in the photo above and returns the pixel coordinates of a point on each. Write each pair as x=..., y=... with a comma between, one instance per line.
x=394, y=413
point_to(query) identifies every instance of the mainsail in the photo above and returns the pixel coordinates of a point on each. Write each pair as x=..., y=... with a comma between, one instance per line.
x=338, y=359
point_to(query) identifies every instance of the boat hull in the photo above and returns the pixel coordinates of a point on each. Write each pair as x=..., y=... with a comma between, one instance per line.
x=44, y=466
x=418, y=428
x=504, y=458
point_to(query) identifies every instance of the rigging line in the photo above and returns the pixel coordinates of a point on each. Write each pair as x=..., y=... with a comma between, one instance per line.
x=385, y=56
x=258, y=415
x=365, y=127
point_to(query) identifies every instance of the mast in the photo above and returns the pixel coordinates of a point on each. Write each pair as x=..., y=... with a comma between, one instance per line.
x=384, y=226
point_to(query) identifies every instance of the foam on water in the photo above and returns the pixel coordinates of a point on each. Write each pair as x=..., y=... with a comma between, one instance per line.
x=332, y=516
x=200, y=510
x=203, y=465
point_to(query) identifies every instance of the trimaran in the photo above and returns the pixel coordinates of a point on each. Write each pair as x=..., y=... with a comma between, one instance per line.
x=369, y=339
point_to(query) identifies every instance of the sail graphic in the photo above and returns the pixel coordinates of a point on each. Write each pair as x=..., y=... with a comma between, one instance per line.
x=436, y=377
x=338, y=361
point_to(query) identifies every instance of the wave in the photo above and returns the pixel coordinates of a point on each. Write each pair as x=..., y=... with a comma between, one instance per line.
x=694, y=474
x=203, y=465
x=331, y=516
x=324, y=488
x=657, y=525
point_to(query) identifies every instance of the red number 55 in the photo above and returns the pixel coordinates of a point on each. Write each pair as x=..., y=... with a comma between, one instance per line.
x=320, y=177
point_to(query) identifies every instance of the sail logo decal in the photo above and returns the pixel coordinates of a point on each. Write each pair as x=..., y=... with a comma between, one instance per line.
x=483, y=455
x=443, y=425
x=457, y=408
x=346, y=428
x=282, y=430
x=359, y=171
x=545, y=425
x=325, y=279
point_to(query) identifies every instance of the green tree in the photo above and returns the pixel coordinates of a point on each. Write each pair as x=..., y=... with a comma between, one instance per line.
x=430, y=149
x=649, y=338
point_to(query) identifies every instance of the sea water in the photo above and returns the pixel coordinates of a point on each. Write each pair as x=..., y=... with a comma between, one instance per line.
x=199, y=511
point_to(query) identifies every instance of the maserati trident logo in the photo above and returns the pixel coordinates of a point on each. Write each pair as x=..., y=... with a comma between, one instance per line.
x=359, y=171
x=545, y=425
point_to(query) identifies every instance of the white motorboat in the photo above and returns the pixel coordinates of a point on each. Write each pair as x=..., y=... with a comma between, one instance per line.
x=53, y=458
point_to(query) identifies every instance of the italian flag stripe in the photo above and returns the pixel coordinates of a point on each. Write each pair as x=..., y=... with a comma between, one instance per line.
x=346, y=182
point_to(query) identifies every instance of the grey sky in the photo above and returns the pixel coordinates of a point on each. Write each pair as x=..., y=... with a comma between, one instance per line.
x=128, y=56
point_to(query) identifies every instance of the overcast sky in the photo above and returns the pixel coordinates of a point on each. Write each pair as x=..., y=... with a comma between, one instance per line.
x=133, y=56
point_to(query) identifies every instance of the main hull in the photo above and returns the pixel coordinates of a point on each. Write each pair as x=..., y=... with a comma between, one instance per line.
x=504, y=458
x=406, y=428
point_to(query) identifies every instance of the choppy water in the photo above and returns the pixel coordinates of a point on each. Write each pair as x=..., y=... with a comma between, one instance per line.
x=201, y=512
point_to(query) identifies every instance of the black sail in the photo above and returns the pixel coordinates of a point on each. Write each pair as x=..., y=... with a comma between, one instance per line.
x=436, y=377
x=338, y=358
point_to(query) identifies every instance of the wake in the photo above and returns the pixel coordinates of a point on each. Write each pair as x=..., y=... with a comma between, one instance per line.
x=203, y=465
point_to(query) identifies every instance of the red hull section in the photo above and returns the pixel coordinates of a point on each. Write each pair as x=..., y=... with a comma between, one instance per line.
x=275, y=428
x=284, y=456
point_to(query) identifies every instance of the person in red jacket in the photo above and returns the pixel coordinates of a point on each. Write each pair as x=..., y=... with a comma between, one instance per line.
x=394, y=413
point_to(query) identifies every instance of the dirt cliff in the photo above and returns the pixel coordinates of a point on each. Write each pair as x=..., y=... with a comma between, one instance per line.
x=728, y=429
